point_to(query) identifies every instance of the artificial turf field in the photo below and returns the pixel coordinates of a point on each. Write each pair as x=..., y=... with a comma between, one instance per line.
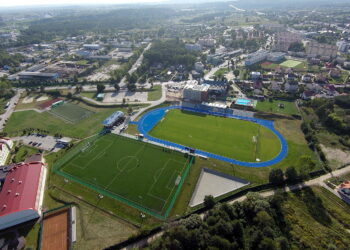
x=131, y=171
x=71, y=112
x=290, y=63
x=236, y=139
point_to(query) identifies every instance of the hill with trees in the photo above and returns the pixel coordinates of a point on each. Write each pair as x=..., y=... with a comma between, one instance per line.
x=306, y=219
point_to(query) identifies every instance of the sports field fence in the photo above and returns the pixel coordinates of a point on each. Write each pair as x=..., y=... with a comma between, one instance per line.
x=158, y=214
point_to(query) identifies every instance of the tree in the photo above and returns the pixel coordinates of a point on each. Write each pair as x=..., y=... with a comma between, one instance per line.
x=100, y=88
x=276, y=176
x=236, y=73
x=296, y=47
x=116, y=87
x=209, y=201
x=291, y=174
x=42, y=89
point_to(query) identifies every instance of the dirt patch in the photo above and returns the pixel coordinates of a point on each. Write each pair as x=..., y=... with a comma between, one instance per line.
x=28, y=99
x=42, y=98
x=336, y=155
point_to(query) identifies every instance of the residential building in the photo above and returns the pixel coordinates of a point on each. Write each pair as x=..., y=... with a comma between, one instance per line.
x=22, y=194
x=5, y=148
x=91, y=46
x=315, y=49
x=199, y=67
x=207, y=42
x=193, y=47
x=283, y=40
x=343, y=46
x=196, y=92
x=291, y=86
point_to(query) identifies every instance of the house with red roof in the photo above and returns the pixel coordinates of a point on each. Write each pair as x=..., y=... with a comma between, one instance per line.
x=22, y=194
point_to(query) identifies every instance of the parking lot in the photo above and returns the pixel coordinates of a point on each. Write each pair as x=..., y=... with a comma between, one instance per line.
x=129, y=96
x=43, y=142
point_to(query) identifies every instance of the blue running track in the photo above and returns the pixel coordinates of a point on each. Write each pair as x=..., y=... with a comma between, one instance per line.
x=149, y=120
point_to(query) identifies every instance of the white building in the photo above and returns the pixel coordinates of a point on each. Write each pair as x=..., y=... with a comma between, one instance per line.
x=195, y=92
x=283, y=40
x=193, y=47
x=5, y=148
x=320, y=49
x=207, y=42
x=256, y=57
x=343, y=46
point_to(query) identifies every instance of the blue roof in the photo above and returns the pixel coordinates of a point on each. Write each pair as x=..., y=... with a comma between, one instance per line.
x=113, y=118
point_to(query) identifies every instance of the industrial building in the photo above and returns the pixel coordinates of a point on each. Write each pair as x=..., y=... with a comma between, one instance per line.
x=91, y=46
x=22, y=193
x=37, y=75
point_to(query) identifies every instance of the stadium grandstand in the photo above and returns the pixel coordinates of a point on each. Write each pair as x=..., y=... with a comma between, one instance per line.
x=22, y=192
x=113, y=119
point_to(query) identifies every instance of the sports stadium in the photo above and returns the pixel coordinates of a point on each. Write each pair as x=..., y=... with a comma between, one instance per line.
x=239, y=140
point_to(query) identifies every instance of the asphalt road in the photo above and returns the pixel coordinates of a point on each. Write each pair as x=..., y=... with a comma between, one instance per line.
x=9, y=110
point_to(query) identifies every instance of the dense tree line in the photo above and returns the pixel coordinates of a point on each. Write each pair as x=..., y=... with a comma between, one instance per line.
x=256, y=223
x=73, y=25
x=168, y=53
x=10, y=60
x=5, y=89
x=329, y=114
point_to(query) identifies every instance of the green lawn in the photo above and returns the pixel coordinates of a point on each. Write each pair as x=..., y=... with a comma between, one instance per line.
x=2, y=105
x=232, y=138
x=221, y=72
x=316, y=219
x=71, y=112
x=155, y=93
x=46, y=121
x=90, y=95
x=23, y=152
x=129, y=171
x=290, y=64
x=273, y=107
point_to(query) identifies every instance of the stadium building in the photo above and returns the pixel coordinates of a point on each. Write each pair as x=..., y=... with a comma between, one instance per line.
x=37, y=76
x=115, y=118
x=196, y=92
x=22, y=192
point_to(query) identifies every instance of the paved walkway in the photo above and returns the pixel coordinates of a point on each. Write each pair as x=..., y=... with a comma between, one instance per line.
x=11, y=108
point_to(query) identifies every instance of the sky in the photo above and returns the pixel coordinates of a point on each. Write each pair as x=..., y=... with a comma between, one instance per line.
x=6, y=3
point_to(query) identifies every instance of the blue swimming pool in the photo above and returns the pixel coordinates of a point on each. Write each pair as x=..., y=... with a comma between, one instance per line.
x=245, y=102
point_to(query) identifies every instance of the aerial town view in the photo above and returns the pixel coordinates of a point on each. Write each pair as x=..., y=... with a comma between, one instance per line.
x=173, y=124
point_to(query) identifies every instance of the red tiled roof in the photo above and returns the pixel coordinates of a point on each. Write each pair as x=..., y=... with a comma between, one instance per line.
x=20, y=188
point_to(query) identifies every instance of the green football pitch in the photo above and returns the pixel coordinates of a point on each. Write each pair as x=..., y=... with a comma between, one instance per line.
x=236, y=139
x=71, y=112
x=143, y=175
x=290, y=63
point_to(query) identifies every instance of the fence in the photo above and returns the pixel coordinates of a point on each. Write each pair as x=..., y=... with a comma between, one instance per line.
x=71, y=154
